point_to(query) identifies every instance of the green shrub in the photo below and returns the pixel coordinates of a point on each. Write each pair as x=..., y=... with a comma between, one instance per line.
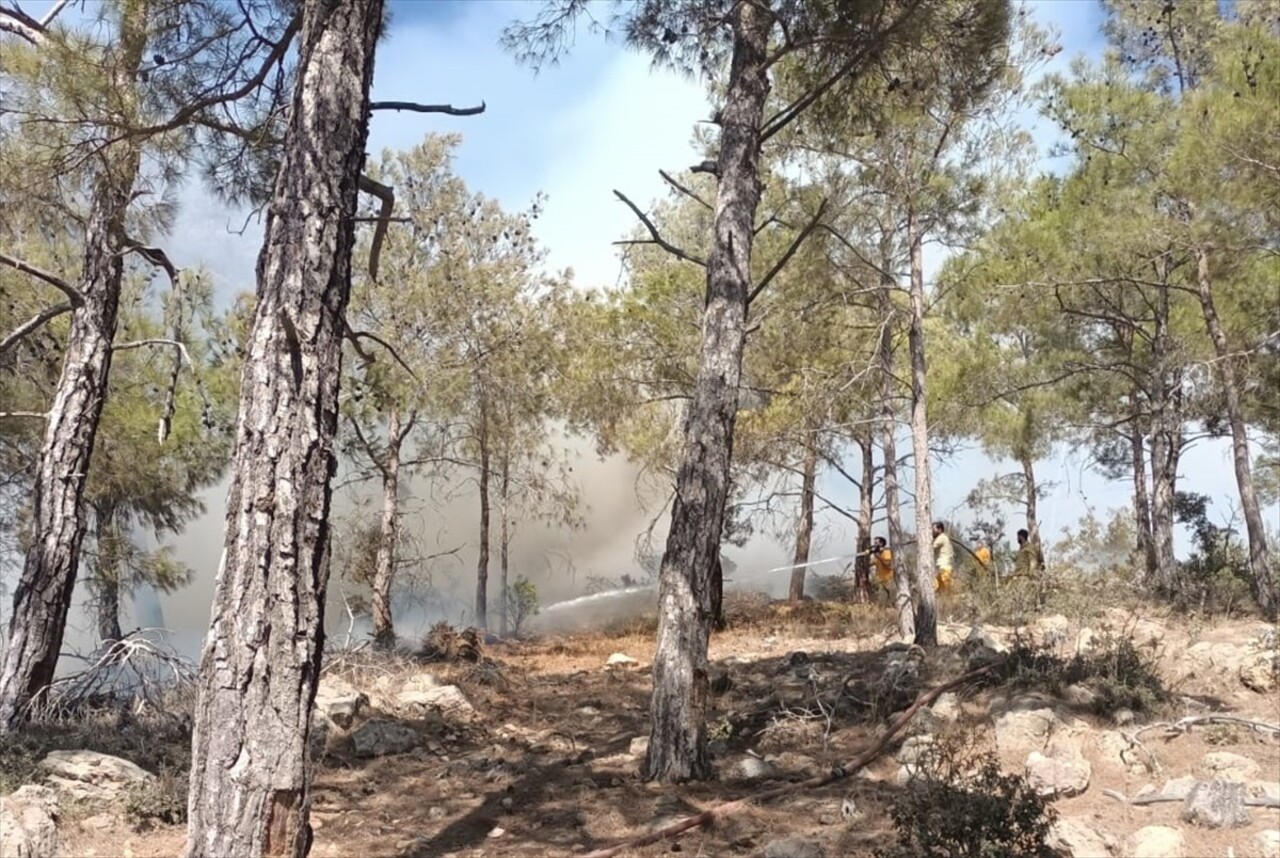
x=956, y=809
x=1120, y=675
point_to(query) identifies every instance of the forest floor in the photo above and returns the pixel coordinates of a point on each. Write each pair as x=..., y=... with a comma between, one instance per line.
x=546, y=760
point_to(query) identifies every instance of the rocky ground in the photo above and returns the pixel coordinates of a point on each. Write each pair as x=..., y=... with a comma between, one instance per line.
x=1161, y=740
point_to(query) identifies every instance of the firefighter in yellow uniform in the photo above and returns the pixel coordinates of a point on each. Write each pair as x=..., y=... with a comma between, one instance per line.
x=943, y=557
x=983, y=555
x=883, y=558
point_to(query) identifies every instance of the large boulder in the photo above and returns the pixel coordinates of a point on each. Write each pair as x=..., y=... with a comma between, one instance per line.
x=91, y=775
x=1217, y=804
x=379, y=737
x=339, y=701
x=1076, y=838
x=29, y=823
x=1157, y=841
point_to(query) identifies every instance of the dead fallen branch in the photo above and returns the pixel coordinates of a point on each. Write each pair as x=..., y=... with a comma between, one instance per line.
x=1139, y=800
x=1182, y=725
x=838, y=773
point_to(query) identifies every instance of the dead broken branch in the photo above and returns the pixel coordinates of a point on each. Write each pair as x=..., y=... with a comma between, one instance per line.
x=838, y=773
x=1140, y=800
x=657, y=236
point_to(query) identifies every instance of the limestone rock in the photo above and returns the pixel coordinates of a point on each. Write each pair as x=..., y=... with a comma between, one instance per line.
x=379, y=737
x=753, y=769
x=621, y=659
x=1268, y=843
x=1226, y=766
x=29, y=823
x=1179, y=787
x=1217, y=804
x=947, y=708
x=794, y=847
x=1157, y=841
x=1086, y=641
x=1076, y=838
x=448, y=700
x=639, y=746
x=1062, y=771
x=1023, y=729
x=1258, y=673
x=915, y=748
x=91, y=775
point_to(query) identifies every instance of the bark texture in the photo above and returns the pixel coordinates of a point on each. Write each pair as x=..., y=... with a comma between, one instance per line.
x=250, y=782
x=504, y=543
x=1141, y=496
x=1166, y=434
x=1259, y=558
x=384, y=567
x=926, y=620
x=58, y=522
x=804, y=527
x=678, y=739
x=866, y=513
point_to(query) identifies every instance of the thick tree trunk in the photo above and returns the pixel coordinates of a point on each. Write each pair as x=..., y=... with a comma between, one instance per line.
x=482, y=562
x=1259, y=558
x=504, y=541
x=866, y=514
x=889, y=443
x=1142, y=497
x=43, y=594
x=106, y=577
x=250, y=792
x=384, y=568
x=678, y=738
x=804, y=527
x=926, y=610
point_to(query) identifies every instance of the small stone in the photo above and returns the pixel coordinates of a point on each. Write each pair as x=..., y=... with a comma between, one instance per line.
x=1268, y=843
x=1086, y=641
x=588, y=711
x=1179, y=787
x=379, y=737
x=507, y=803
x=947, y=707
x=497, y=832
x=435, y=812
x=639, y=746
x=1123, y=717
x=621, y=659
x=1217, y=804
x=752, y=769
x=1157, y=841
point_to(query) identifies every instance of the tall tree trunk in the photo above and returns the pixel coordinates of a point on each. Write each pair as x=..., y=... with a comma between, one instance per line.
x=250, y=792
x=1259, y=558
x=106, y=577
x=504, y=540
x=678, y=738
x=384, y=568
x=482, y=562
x=1166, y=435
x=43, y=595
x=1141, y=497
x=889, y=443
x=804, y=527
x=926, y=610
x=1033, y=490
x=866, y=514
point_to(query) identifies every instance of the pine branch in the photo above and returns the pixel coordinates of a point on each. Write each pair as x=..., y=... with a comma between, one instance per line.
x=684, y=190
x=32, y=324
x=388, y=199
x=76, y=296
